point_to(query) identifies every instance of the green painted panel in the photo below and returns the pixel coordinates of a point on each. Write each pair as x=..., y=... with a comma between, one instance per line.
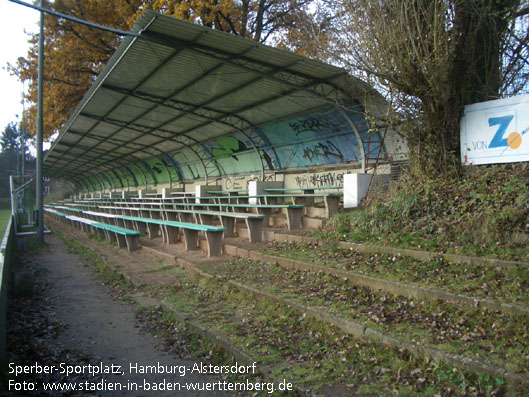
x=113, y=179
x=189, y=163
x=159, y=169
x=247, y=161
x=130, y=176
x=138, y=175
x=122, y=176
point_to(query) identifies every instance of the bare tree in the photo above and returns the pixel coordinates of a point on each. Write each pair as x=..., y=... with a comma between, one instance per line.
x=433, y=57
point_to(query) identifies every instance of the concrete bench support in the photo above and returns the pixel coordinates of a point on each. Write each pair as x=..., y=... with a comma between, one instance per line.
x=332, y=205
x=294, y=218
x=266, y=212
x=229, y=223
x=214, y=240
x=255, y=229
x=132, y=242
x=190, y=239
x=171, y=235
x=122, y=241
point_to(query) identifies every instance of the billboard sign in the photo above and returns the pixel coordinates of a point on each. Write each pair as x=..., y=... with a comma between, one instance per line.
x=496, y=131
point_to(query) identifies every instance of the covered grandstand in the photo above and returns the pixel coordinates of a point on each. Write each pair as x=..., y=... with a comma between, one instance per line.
x=182, y=103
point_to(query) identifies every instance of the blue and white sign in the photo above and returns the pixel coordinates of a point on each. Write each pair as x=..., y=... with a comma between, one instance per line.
x=496, y=131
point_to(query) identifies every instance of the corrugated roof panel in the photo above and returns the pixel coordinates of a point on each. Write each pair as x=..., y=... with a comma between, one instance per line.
x=214, y=129
x=191, y=80
x=83, y=124
x=104, y=129
x=178, y=73
x=102, y=101
x=140, y=61
x=185, y=123
x=256, y=92
x=88, y=142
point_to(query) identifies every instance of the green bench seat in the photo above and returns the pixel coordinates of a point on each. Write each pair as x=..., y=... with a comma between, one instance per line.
x=170, y=230
x=294, y=212
x=124, y=237
x=331, y=200
x=254, y=222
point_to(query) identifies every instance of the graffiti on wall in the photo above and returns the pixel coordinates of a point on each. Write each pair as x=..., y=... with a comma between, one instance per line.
x=324, y=179
x=241, y=182
x=322, y=150
x=227, y=146
x=311, y=124
x=323, y=137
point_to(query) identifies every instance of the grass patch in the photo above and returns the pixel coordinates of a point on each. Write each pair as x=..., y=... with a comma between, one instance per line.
x=312, y=355
x=4, y=219
x=489, y=336
x=504, y=285
x=483, y=212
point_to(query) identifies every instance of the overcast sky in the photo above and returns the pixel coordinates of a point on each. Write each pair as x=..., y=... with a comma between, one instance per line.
x=14, y=19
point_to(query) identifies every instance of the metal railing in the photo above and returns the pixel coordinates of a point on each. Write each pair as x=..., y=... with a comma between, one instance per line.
x=6, y=251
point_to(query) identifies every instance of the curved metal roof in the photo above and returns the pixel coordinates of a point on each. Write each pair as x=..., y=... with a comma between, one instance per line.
x=181, y=95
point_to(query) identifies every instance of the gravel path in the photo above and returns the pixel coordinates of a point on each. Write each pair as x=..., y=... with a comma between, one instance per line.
x=102, y=327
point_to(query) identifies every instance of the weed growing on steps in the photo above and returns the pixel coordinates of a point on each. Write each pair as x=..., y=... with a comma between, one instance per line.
x=504, y=285
x=478, y=333
x=484, y=212
x=105, y=269
x=313, y=354
x=310, y=353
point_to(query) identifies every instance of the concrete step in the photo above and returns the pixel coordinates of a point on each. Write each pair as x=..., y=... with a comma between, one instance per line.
x=315, y=212
x=278, y=220
x=308, y=222
x=242, y=231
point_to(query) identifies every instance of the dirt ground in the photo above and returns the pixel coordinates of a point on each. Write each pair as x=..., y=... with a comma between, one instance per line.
x=103, y=329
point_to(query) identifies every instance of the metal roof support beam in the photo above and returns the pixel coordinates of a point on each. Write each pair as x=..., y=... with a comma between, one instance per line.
x=132, y=167
x=162, y=101
x=105, y=177
x=167, y=171
x=101, y=152
x=177, y=138
x=232, y=114
x=90, y=184
x=150, y=171
x=297, y=88
x=166, y=158
x=358, y=138
x=104, y=168
x=119, y=178
x=84, y=184
x=98, y=180
x=137, y=86
x=134, y=180
x=158, y=67
x=228, y=58
x=215, y=98
x=148, y=146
